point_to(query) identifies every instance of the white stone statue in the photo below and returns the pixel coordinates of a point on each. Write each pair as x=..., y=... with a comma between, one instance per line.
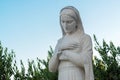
x=73, y=53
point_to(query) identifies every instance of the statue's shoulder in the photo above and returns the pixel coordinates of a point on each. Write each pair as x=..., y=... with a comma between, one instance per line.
x=59, y=40
x=86, y=37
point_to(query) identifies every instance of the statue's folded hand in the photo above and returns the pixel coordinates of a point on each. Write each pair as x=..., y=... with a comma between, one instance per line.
x=64, y=54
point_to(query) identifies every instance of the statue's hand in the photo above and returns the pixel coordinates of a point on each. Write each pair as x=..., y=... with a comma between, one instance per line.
x=58, y=53
x=63, y=55
x=66, y=52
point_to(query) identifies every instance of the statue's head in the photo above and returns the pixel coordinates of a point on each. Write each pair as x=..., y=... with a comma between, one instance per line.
x=70, y=20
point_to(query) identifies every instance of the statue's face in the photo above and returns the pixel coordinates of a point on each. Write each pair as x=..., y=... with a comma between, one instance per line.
x=68, y=23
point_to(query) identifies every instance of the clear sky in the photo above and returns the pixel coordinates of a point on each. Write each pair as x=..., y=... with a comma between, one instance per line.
x=30, y=27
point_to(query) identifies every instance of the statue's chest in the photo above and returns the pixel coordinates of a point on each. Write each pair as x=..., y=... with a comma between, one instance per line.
x=71, y=43
x=70, y=40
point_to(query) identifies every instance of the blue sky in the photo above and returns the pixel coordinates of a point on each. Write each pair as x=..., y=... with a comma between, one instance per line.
x=30, y=27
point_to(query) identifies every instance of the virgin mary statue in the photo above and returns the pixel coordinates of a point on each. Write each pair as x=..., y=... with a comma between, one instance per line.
x=72, y=57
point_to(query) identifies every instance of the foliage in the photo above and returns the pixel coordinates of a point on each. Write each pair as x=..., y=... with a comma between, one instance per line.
x=37, y=71
x=108, y=67
x=6, y=59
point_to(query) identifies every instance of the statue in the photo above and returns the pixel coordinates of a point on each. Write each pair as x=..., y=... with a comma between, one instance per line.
x=73, y=53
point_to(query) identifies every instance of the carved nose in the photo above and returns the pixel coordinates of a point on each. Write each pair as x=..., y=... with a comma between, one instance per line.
x=65, y=24
x=66, y=28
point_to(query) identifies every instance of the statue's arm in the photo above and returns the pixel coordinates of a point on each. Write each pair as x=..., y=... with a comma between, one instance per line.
x=54, y=61
x=82, y=58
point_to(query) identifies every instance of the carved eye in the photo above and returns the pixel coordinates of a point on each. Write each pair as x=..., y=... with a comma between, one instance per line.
x=69, y=21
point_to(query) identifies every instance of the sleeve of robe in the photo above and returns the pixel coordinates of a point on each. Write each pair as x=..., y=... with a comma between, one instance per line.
x=54, y=61
x=84, y=58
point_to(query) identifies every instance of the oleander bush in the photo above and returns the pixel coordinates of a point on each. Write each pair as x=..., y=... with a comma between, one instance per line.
x=37, y=70
x=6, y=59
x=107, y=67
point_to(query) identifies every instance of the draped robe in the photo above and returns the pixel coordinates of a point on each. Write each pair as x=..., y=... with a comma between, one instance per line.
x=76, y=62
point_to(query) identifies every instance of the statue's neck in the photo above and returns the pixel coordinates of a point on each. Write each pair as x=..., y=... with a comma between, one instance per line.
x=75, y=33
